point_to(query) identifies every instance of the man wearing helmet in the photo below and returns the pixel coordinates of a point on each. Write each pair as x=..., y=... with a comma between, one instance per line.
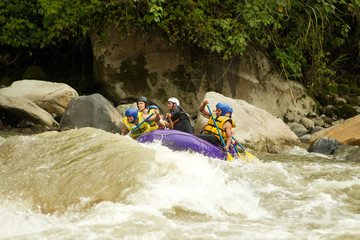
x=224, y=123
x=142, y=104
x=177, y=119
x=134, y=118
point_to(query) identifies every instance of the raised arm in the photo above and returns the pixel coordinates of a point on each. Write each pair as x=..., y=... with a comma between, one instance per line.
x=203, y=109
x=155, y=117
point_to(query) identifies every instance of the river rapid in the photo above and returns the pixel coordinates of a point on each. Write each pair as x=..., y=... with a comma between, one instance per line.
x=91, y=184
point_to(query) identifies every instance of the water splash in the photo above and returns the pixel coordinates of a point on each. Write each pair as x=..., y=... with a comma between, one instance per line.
x=90, y=184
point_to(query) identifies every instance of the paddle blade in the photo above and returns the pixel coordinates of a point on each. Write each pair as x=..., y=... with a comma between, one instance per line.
x=230, y=158
x=251, y=157
x=240, y=156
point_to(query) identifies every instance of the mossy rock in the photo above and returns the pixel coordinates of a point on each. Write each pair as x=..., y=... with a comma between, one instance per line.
x=35, y=72
x=347, y=111
x=322, y=100
x=330, y=112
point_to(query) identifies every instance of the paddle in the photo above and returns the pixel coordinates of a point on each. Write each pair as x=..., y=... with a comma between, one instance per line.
x=238, y=153
x=249, y=156
x=163, y=120
x=139, y=124
x=222, y=140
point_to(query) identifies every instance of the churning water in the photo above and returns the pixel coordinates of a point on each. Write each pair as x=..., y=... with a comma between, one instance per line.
x=90, y=184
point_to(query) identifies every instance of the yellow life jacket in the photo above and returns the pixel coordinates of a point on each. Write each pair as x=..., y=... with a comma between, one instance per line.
x=153, y=125
x=210, y=128
x=144, y=128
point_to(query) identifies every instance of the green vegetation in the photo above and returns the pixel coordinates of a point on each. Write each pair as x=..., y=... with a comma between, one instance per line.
x=313, y=41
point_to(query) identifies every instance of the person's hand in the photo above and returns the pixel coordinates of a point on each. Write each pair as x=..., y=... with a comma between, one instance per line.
x=205, y=102
x=168, y=115
x=226, y=148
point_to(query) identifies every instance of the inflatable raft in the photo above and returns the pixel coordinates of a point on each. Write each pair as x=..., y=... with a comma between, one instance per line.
x=182, y=141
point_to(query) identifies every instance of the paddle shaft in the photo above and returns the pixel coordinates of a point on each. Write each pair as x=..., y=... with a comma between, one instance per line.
x=237, y=151
x=163, y=120
x=239, y=144
x=139, y=124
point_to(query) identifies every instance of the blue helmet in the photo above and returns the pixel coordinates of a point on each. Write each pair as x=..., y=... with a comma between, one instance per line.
x=224, y=108
x=154, y=107
x=132, y=112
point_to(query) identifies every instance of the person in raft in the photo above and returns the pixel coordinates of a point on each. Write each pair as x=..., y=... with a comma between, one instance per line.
x=223, y=122
x=134, y=118
x=142, y=104
x=229, y=114
x=177, y=119
x=156, y=125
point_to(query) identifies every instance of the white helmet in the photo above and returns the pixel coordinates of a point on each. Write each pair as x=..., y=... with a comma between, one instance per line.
x=174, y=100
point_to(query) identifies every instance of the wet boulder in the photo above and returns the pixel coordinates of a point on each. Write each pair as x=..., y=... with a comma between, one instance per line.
x=316, y=129
x=50, y=96
x=298, y=129
x=318, y=121
x=324, y=145
x=308, y=124
x=91, y=111
x=305, y=138
x=15, y=109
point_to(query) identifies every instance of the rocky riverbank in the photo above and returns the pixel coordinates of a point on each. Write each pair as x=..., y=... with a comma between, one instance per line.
x=31, y=106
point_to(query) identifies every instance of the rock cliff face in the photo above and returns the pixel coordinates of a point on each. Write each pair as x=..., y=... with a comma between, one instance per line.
x=148, y=64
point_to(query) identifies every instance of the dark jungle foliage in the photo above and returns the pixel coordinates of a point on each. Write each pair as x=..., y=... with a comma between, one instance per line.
x=313, y=41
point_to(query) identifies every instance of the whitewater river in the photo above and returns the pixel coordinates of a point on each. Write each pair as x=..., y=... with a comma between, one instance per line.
x=90, y=184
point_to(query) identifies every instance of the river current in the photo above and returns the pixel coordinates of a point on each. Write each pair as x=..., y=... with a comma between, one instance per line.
x=91, y=184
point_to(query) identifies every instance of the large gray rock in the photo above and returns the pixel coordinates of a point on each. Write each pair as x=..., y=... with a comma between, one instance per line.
x=324, y=145
x=122, y=108
x=318, y=121
x=316, y=129
x=91, y=111
x=50, y=96
x=255, y=127
x=15, y=109
x=298, y=129
x=148, y=64
x=305, y=138
x=308, y=124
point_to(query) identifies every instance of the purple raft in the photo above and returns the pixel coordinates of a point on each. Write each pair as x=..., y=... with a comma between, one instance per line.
x=182, y=141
